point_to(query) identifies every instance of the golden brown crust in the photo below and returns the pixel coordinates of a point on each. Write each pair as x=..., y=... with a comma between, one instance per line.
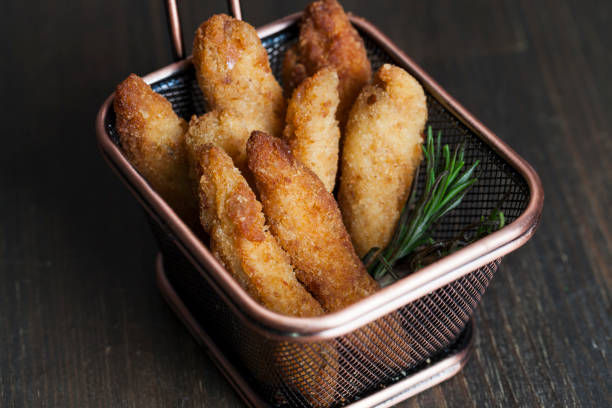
x=305, y=218
x=327, y=39
x=233, y=71
x=312, y=130
x=151, y=136
x=240, y=240
x=233, y=217
x=381, y=151
x=225, y=129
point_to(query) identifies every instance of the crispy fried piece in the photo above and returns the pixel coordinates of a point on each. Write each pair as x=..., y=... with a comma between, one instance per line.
x=312, y=130
x=381, y=152
x=327, y=39
x=239, y=239
x=305, y=219
x=232, y=216
x=225, y=129
x=233, y=71
x=151, y=136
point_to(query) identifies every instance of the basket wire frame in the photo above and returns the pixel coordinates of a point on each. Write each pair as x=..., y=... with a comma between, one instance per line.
x=391, y=347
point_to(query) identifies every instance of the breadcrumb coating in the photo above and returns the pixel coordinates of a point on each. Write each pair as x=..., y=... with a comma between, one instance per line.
x=240, y=240
x=151, y=136
x=306, y=220
x=381, y=152
x=225, y=129
x=327, y=39
x=233, y=217
x=234, y=73
x=312, y=130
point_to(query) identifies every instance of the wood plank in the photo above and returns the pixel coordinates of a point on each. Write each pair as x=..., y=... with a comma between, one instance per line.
x=81, y=322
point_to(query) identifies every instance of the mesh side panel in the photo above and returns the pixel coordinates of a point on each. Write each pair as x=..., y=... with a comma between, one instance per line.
x=342, y=370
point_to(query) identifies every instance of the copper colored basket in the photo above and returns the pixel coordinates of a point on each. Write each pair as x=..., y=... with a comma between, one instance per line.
x=408, y=336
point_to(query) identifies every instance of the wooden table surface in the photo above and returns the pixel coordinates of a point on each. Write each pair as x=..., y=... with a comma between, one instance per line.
x=81, y=322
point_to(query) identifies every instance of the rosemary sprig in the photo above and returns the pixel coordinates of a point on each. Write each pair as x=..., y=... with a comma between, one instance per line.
x=445, y=187
x=428, y=253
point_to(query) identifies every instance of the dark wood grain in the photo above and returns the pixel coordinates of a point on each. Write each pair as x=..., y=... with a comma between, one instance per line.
x=81, y=322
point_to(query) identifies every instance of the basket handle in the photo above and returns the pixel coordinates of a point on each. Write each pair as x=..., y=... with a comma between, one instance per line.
x=174, y=25
x=234, y=9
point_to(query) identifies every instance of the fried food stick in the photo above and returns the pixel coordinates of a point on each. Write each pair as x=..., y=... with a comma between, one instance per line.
x=151, y=136
x=312, y=130
x=233, y=71
x=306, y=220
x=327, y=39
x=233, y=217
x=381, y=152
x=225, y=129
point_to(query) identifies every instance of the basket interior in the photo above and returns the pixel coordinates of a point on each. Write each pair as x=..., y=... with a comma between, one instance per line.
x=427, y=327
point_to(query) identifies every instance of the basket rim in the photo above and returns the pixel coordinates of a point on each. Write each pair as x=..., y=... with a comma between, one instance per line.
x=388, y=299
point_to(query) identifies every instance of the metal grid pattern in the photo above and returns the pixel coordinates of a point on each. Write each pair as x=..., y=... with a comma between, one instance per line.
x=341, y=370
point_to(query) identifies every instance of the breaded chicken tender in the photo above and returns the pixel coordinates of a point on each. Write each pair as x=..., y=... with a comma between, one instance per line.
x=151, y=136
x=312, y=130
x=381, y=152
x=327, y=39
x=233, y=217
x=306, y=220
x=225, y=129
x=233, y=71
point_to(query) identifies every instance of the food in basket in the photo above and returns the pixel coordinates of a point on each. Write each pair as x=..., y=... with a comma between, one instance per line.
x=381, y=152
x=299, y=371
x=239, y=239
x=306, y=264
x=327, y=39
x=224, y=128
x=312, y=130
x=234, y=73
x=448, y=180
x=306, y=220
x=233, y=218
x=382, y=148
x=151, y=135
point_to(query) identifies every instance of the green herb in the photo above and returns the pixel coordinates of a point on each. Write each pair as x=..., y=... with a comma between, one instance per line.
x=426, y=254
x=446, y=185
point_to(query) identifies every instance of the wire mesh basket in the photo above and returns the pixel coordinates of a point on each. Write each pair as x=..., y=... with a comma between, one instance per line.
x=397, y=342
